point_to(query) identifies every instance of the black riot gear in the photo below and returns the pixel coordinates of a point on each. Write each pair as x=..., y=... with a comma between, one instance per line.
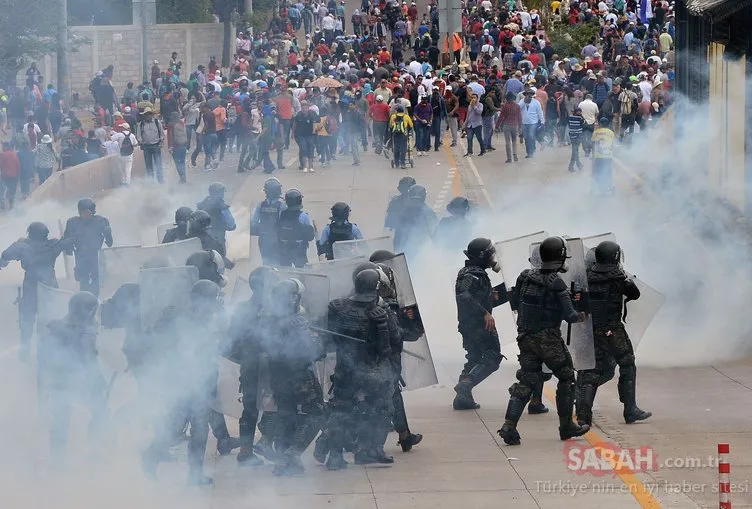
x=608, y=253
x=87, y=204
x=37, y=231
x=553, y=253
x=340, y=211
x=272, y=188
x=361, y=267
x=259, y=277
x=182, y=214
x=366, y=286
x=417, y=193
x=83, y=306
x=542, y=301
x=294, y=199
x=217, y=190
x=459, y=206
x=482, y=251
x=286, y=297
x=405, y=184
x=205, y=292
x=198, y=222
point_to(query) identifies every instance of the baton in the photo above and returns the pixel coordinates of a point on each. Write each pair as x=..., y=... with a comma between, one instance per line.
x=569, y=325
x=351, y=338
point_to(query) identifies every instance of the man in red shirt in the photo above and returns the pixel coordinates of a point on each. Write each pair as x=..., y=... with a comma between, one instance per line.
x=379, y=113
x=384, y=56
x=10, y=168
x=283, y=100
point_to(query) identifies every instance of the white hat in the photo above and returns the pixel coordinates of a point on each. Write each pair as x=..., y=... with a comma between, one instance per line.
x=156, y=62
x=379, y=98
x=46, y=138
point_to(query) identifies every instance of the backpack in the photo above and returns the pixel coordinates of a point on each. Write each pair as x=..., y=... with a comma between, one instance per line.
x=126, y=148
x=399, y=124
x=626, y=104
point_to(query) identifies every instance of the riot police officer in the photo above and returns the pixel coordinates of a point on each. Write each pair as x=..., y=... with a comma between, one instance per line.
x=417, y=223
x=292, y=350
x=70, y=370
x=397, y=203
x=198, y=226
x=542, y=300
x=608, y=285
x=338, y=230
x=245, y=336
x=456, y=229
x=294, y=230
x=37, y=255
x=361, y=333
x=180, y=232
x=476, y=299
x=210, y=266
x=86, y=233
x=265, y=219
x=219, y=211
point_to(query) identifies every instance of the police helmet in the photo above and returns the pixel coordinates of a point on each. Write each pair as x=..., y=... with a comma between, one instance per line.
x=405, y=184
x=341, y=211
x=294, y=198
x=286, y=295
x=217, y=189
x=483, y=250
x=459, y=206
x=417, y=192
x=182, y=214
x=381, y=255
x=37, y=231
x=83, y=306
x=198, y=221
x=608, y=253
x=388, y=286
x=260, y=277
x=205, y=292
x=361, y=267
x=366, y=285
x=87, y=204
x=209, y=267
x=553, y=253
x=272, y=188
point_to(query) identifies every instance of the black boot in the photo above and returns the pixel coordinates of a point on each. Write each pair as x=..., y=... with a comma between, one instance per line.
x=378, y=441
x=536, y=405
x=336, y=461
x=627, y=390
x=410, y=441
x=508, y=431
x=226, y=445
x=564, y=405
x=265, y=447
x=247, y=458
x=288, y=464
x=321, y=449
x=584, y=403
x=464, y=398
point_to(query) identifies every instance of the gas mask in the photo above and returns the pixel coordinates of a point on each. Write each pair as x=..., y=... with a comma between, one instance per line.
x=387, y=285
x=494, y=263
x=220, y=263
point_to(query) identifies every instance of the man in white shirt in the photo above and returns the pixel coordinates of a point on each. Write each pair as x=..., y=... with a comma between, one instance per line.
x=415, y=68
x=126, y=153
x=526, y=20
x=646, y=88
x=517, y=41
x=590, y=116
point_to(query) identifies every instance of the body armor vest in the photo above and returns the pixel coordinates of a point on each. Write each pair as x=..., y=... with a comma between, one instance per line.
x=269, y=217
x=606, y=292
x=288, y=226
x=337, y=233
x=538, y=305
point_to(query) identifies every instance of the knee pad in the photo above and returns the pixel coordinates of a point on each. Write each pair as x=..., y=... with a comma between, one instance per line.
x=627, y=362
x=607, y=373
x=521, y=391
x=565, y=374
x=627, y=370
x=589, y=377
x=529, y=379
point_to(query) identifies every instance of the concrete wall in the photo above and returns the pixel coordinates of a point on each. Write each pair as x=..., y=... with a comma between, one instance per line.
x=120, y=45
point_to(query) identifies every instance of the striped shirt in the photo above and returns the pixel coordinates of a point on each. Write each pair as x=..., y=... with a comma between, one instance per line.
x=575, y=124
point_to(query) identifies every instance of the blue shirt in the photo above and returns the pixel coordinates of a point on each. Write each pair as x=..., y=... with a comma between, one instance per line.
x=531, y=113
x=228, y=220
x=256, y=218
x=357, y=235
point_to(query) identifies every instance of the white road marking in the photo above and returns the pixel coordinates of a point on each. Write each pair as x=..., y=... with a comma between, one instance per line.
x=474, y=169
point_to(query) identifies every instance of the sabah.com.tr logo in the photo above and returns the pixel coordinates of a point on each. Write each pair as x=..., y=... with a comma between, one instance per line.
x=607, y=458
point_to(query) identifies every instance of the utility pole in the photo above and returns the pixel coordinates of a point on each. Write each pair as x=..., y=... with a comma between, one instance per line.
x=63, y=86
x=248, y=6
x=144, y=44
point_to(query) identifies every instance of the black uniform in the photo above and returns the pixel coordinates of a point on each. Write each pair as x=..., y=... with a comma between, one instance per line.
x=360, y=367
x=180, y=232
x=215, y=207
x=475, y=299
x=608, y=285
x=542, y=300
x=453, y=231
x=294, y=237
x=265, y=227
x=87, y=236
x=37, y=259
x=69, y=371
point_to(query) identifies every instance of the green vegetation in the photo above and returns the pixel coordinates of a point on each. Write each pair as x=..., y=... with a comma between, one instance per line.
x=569, y=40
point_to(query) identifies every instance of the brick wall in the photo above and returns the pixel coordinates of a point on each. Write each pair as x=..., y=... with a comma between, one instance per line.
x=120, y=45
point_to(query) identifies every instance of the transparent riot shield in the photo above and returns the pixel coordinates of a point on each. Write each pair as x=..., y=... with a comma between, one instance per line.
x=418, y=369
x=52, y=305
x=514, y=255
x=591, y=243
x=162, y=229
x=240, y=291
x=228, y=400
x=578, y=336
x=162, y=289
x=361, y=247
x=315, y=300
x=340, y=274
x=122, y=264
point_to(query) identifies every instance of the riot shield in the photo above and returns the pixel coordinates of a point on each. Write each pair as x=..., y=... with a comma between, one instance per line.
x=514, y=255
x=418, y=369
x=340, y=274
x=122, y=264
x=579, y=336
x=162, y=229
x=228, y=400
x=361, y=247
x=52, y=305
x=315, y=299
x=240, y=291
x=164, y=288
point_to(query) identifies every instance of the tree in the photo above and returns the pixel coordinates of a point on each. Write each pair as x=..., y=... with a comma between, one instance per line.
x=28, y=31
x=184, y=11
x=226, y=9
